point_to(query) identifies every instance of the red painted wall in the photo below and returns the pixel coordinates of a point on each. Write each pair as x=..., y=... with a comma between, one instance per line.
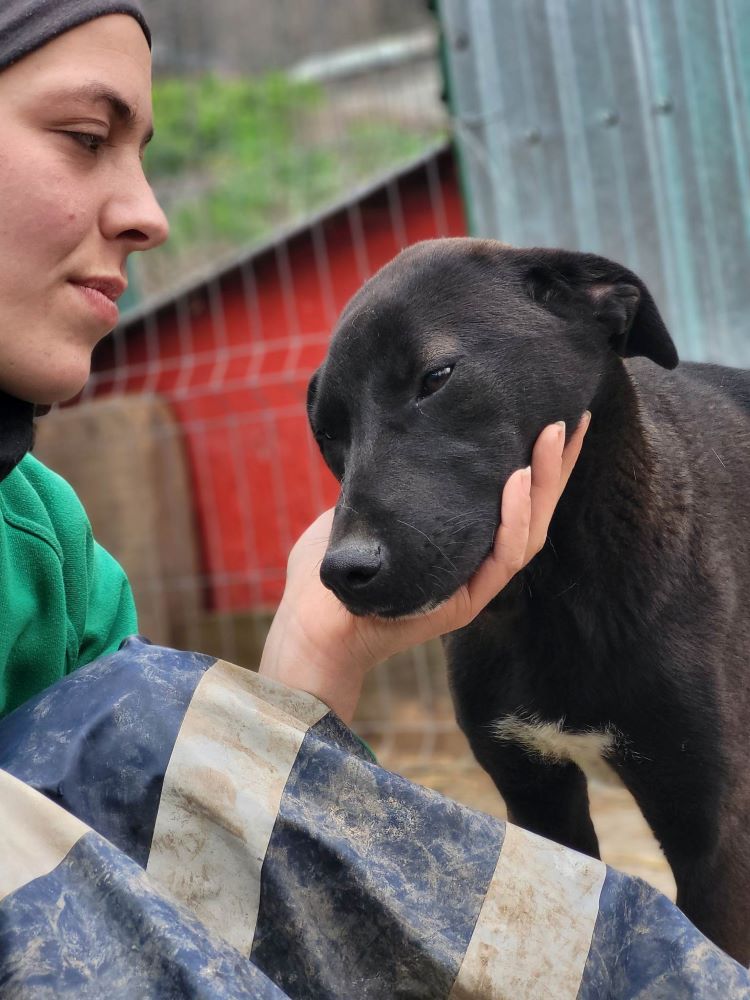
x=234, y=356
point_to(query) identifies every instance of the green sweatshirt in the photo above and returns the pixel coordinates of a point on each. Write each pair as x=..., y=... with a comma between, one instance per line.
x=63, y=599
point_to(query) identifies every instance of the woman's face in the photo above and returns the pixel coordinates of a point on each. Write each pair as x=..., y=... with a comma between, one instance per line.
x=74, y=201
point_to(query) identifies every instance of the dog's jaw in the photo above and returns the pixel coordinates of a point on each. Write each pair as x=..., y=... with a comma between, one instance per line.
x=394, y=614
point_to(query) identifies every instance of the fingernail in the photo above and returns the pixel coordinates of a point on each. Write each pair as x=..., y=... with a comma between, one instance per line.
x=527, y=479
x=560, y=425
x=586, y=418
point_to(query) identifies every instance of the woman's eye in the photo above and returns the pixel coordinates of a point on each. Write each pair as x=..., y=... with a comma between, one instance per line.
x=435, y=380
x=88, y=140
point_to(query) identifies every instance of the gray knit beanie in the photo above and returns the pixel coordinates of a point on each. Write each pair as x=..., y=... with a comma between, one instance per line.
x=26, y=25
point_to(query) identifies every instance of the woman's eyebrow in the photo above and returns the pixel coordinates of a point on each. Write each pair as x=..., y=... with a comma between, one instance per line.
x=98, y=93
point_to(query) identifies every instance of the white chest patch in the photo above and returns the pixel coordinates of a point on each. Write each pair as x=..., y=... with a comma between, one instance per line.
x=551, y=741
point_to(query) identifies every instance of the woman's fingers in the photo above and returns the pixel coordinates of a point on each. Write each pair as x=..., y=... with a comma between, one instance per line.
x=546, y=469
x=508, y=554
x=552, y=462
x=573, y=448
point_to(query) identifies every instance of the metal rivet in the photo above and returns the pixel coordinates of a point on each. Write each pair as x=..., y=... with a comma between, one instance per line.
x=461, y=41
x=664, y=106
x=533, y=136
x=609, y=118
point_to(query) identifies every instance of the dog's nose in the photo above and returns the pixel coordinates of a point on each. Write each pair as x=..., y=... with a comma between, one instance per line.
x=350, y=566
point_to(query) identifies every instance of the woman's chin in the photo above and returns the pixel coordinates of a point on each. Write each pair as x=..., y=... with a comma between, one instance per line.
x=47, y=393
x=60, y=379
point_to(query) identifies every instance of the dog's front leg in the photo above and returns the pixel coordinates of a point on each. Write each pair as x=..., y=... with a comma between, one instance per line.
x=701, y=822
x=546, y=797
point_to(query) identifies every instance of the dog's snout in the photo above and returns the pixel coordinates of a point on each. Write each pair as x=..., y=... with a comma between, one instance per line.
x=350, y=566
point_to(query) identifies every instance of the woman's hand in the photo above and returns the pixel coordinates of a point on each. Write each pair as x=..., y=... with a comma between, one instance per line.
x=316, y=645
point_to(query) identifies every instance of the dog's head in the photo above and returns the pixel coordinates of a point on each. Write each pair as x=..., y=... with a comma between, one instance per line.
x=441, y=373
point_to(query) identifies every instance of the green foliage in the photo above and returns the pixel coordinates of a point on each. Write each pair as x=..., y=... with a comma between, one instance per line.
x=204, y=121
x=234, y=159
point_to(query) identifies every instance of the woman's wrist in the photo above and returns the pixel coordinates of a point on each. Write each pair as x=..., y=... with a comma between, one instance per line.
x=334, y=675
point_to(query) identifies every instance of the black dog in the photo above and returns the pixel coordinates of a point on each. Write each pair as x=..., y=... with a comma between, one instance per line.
x=628, y=632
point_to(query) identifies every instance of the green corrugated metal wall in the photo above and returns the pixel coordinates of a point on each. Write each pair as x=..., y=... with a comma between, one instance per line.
x=619, y=127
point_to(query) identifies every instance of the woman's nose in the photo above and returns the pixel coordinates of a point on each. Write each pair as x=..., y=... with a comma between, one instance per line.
x=134, y=215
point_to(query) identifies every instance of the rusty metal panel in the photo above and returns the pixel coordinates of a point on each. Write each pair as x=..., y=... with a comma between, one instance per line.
x=618, y=127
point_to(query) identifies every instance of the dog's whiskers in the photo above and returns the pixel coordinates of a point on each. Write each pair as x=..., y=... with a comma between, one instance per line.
x=342, y=505
x=436, y=578
x=458, y=517
x=419, y=531
x=469, y=524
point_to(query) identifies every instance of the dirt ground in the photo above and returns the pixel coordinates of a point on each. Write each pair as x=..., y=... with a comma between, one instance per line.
x=625, y=839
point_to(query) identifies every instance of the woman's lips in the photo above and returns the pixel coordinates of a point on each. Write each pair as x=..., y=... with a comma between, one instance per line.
x=100, y=303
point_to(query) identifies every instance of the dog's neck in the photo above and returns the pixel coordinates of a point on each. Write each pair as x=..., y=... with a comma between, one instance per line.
x=616, y=511
x=615, y=479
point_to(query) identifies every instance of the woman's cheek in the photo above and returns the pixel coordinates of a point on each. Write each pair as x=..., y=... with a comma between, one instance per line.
x=44, y=210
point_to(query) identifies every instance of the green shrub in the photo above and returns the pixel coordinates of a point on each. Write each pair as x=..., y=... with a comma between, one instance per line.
x=203, y=121
x=234, y=159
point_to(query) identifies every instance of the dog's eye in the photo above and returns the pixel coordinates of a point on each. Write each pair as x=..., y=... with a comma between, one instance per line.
x=324, y=435
x=435, y=380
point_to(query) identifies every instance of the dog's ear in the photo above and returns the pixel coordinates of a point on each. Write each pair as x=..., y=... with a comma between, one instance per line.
x=558, y=279
x=312, y=391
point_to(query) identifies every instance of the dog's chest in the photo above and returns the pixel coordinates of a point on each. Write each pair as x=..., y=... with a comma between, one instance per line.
x=591, y=749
